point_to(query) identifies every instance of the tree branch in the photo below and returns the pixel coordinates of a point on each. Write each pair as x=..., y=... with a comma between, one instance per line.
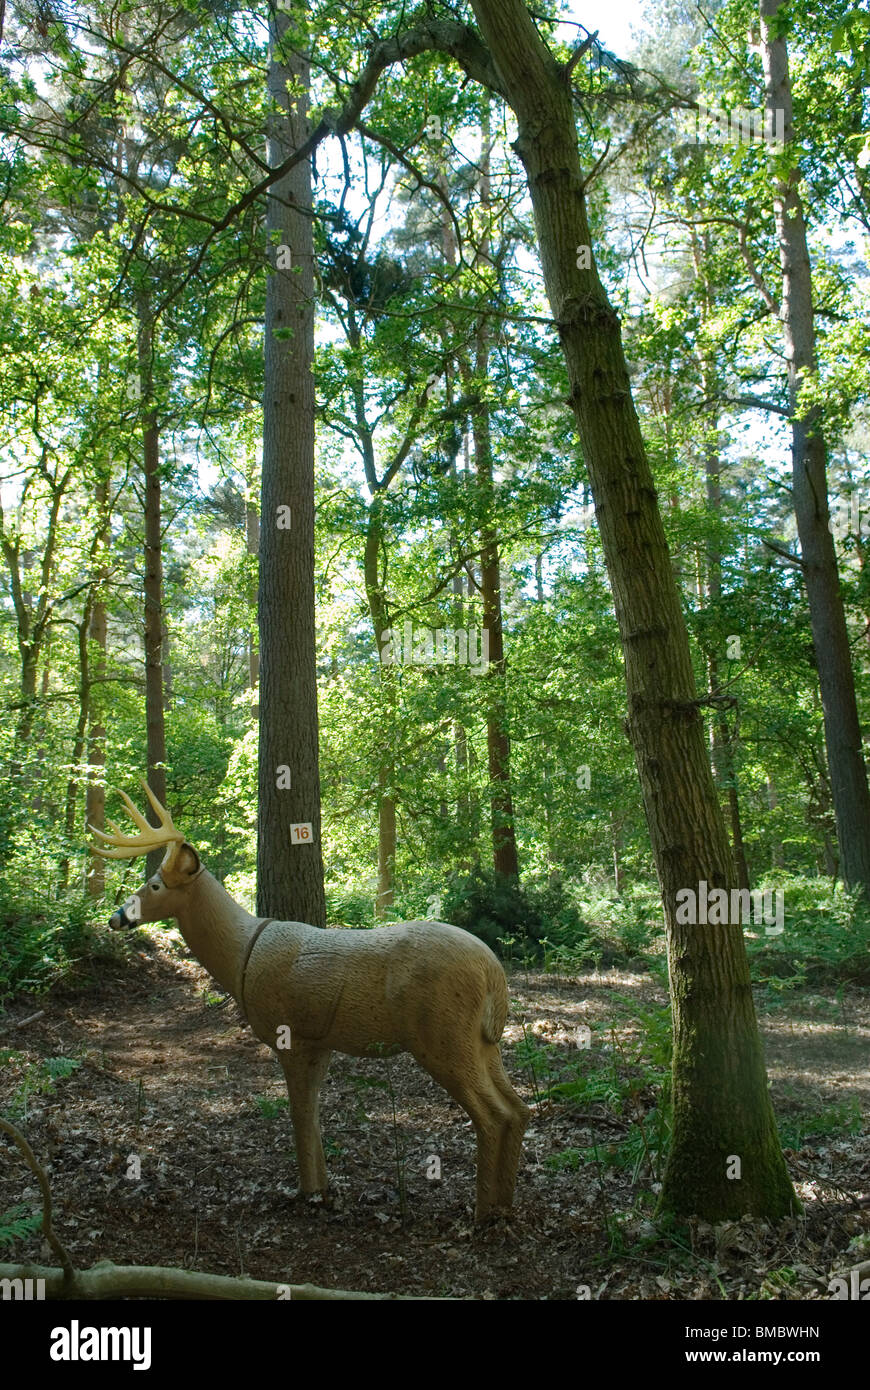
x=67, y=1274
x=784, y=554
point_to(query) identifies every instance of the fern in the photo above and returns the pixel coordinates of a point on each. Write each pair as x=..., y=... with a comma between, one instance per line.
x=17, y=1224
x=58, y=1067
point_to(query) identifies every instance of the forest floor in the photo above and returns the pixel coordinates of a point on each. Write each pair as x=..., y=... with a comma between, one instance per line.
x=167, y=1074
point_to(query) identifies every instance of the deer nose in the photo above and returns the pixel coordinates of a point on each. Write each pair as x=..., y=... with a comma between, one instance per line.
x=129, y=914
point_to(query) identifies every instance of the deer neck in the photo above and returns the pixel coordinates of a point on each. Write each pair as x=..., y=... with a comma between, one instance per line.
x=217, y=931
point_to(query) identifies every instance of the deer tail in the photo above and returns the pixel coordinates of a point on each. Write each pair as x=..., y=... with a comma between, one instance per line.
x=495, y=1005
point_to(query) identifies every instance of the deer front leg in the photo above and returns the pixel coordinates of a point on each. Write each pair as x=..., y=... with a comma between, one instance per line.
x=304, y=1070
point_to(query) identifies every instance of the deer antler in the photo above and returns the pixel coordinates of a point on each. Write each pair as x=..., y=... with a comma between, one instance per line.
x=152, y=836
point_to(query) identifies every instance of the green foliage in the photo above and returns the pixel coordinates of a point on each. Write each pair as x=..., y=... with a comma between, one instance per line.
x=843, y=1118
x=779, y=1283
x=632, y=1079
x=270, y=1106
x=826, y=937
x=37, y=1078
x=514, y=921
x=17, y=1224
x=349, y=906
x=41, y=937
x=80, y=257
x=568, y=1161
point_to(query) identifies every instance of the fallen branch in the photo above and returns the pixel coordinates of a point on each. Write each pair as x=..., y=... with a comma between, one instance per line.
x=107, y=1280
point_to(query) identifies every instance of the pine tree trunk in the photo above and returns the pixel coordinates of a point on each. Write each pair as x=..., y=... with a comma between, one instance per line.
x=504, y=841
x=79, y=736
x=289, y=861
x=724, y=763
x=777, y=851
x=379, y=612
x=95, y=796
x=504, y=844
x=721, y=1103
x=616, y=842
x=155, y=725
x=252, y=548
x=810, y=485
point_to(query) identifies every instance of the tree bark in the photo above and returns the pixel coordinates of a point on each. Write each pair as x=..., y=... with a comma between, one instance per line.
x=616, y=842
x=252, y=548
x=724, y=763
x=155, y=725
x=378, y=609
x=504, y=844
x=810, y=484
x=95, y=796
x=777, y=851
x=721, y=1103
x=33, y=616
x=289, y=863
x=79, y=737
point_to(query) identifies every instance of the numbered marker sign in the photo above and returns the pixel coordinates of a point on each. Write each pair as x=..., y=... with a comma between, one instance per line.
x=302, y=833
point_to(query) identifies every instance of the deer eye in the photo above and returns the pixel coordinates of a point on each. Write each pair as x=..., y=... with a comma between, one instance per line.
x=156, y=884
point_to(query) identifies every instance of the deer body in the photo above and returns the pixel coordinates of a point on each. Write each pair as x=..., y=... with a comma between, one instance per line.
x=421, y=987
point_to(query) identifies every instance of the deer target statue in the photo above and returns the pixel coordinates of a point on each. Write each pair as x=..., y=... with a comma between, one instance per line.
x=421, y=987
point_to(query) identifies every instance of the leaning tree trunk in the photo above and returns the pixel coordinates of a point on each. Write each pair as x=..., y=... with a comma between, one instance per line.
x=722, y=1108
x=289, y=860
x=155, y=726
x=810, y=484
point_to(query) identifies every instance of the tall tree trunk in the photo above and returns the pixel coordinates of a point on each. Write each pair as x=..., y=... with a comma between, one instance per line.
x=167, y=668
x=95, y=797
x=777, y=851
x=252, y=547
x=722, y=1108
x=155, y=725
x=377, y=601
x=289, y=861
x=465, y=818
x=616, y=842
x=79, y=736
x=33, y=614
x=504, y=844
x=724, y=763
x=810, y=484
x=465, y=829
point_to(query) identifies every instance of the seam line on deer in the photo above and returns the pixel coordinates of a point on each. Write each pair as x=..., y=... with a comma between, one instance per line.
x=255, y=936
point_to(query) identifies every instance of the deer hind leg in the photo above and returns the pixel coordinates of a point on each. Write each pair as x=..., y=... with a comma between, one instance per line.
x=496, y=1123
x=510, y=1145
x=304, y=1072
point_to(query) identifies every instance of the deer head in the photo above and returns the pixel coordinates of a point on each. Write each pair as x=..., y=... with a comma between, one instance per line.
x=164, y=893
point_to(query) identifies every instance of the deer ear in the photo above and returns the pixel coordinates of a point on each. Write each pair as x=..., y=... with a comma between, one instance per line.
x=180, y=863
